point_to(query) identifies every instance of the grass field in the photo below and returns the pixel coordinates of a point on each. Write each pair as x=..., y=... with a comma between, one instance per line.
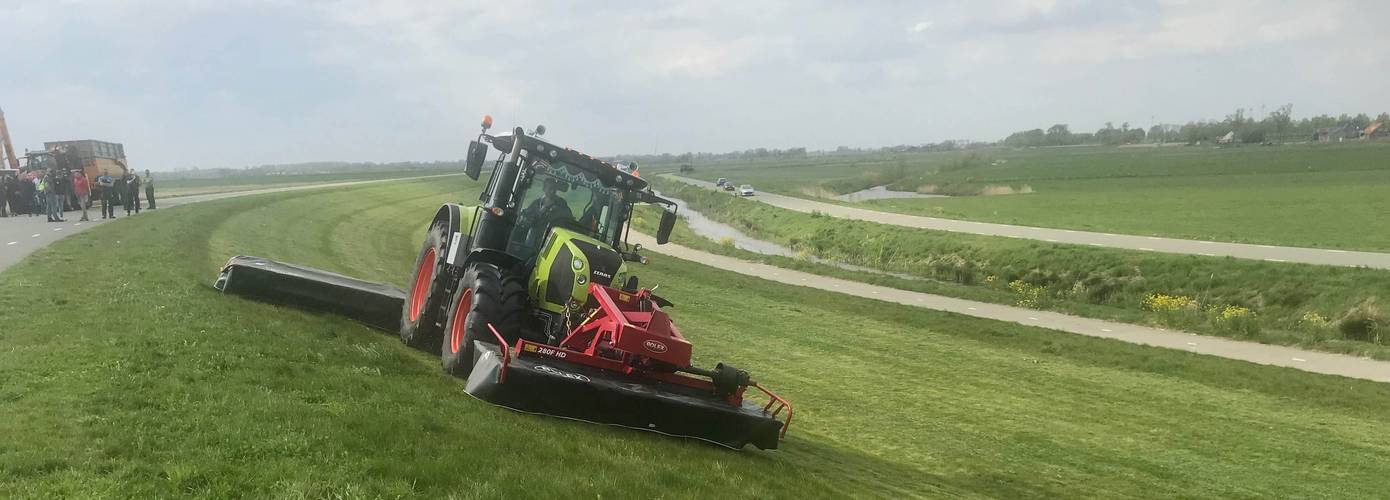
x=1269, y=302
x=187, y=187
x=1328, y=196
x=141, y=381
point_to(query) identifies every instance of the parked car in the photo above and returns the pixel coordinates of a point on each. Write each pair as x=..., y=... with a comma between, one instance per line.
x=721, y=182
x=728, y=186
x=745, y=190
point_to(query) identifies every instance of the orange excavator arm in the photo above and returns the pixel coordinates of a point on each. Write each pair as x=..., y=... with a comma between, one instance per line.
x=9, y=146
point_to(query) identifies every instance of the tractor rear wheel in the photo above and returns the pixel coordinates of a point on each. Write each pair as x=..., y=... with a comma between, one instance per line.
x=420, y=315
x=487, y=295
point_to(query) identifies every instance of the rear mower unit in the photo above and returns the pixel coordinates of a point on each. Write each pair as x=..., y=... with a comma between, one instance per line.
x=530, y=298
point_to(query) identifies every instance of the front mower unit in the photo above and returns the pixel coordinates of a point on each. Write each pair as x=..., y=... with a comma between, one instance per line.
x=539, y=384
x=623, y=366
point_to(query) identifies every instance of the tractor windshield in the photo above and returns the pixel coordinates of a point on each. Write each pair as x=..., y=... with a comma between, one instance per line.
x=562, y=195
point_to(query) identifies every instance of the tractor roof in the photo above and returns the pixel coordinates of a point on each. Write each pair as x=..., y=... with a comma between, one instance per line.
x=539, y=148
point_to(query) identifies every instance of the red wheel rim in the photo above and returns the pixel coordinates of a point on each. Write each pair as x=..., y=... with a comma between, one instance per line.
x=460, y=316
x=423, y=277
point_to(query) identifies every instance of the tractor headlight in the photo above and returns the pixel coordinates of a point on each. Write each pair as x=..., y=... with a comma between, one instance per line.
x=581, y=279
x=578, y=264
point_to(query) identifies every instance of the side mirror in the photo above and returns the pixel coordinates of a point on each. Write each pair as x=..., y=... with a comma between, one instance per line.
x=668, y=222
x=473, y=164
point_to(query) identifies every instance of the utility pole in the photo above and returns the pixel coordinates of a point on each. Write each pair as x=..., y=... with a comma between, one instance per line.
x=9, y=146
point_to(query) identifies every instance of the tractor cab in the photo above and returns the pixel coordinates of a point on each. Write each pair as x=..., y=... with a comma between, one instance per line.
x=560, y=195
x=556, y=218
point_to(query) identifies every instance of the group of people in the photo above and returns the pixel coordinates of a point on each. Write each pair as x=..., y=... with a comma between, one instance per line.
x=54, y=191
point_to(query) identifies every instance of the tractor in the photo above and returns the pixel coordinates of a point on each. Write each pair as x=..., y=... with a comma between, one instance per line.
x=550, y=222
x=529, y=295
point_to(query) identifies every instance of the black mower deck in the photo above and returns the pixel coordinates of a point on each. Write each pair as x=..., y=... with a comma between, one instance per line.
x=556, y=388
x=375, y=304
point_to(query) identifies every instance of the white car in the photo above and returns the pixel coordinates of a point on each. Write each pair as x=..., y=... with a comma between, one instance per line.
x=745, y=190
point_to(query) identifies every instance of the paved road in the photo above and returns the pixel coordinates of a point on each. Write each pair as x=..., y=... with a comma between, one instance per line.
x=1311, y=361
x=1131, y=242
x=20, y=236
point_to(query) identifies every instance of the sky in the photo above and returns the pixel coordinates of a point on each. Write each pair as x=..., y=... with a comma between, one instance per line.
x=201, y=83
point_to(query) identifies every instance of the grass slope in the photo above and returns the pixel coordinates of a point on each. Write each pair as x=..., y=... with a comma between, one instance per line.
x=187, y=187
x=140, y=381
x=1302, y=195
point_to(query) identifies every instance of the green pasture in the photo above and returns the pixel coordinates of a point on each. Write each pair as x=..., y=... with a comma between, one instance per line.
x=1328, y=195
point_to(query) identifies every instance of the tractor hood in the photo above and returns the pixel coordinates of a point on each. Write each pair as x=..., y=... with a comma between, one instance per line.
x=567, y=264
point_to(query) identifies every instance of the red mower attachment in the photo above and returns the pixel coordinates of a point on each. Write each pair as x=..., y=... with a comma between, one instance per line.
x=626, y=364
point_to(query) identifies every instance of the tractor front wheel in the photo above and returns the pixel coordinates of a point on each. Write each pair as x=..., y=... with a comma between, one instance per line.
x=487, y=295
x=425, y=296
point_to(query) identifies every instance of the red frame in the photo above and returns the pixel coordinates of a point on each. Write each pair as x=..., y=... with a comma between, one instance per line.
x=621, y=324
x=627, y=323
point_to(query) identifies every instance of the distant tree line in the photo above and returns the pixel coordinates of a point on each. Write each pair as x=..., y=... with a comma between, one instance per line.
x=1278, y=126
x=687, y=157
x=793, y=153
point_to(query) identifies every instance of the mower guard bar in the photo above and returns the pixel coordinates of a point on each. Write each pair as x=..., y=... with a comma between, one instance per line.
x=375, y=304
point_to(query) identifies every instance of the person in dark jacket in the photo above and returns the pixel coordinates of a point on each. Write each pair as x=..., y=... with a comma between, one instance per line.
x=132, y=198
x=120, y=188
x=59, y=184
x=23, y=192
x=4, y=194
x=107, y=186
x=31, y=193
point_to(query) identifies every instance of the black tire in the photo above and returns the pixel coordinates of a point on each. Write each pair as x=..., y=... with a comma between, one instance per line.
x=422, y=312
x=486, y=295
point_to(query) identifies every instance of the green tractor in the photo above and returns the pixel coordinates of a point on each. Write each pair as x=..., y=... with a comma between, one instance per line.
x=551, y=221
x=530, y=297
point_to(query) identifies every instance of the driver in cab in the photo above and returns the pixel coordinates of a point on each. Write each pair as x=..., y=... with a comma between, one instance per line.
x=550, y=206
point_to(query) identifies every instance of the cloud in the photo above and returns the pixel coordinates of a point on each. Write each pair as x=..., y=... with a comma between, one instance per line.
x=235, y=83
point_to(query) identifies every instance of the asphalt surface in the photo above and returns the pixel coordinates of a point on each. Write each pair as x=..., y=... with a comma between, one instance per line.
x=21, y=236
x=1130, y=242
x=1310, y=361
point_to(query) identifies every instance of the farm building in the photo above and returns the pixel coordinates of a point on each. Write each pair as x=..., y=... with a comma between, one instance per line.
x=1337, y=134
